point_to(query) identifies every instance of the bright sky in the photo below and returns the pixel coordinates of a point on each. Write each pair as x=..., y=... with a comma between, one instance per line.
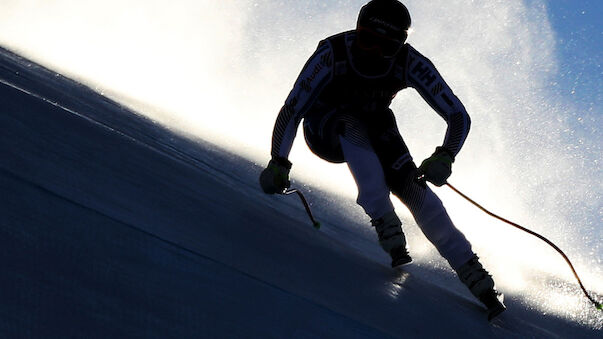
x=580, y=48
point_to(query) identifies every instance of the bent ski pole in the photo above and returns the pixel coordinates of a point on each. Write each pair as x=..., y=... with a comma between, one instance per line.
x=290, y=191
x=550, y=243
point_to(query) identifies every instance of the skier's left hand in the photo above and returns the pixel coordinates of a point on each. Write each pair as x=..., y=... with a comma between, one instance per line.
x=275, y=178
x=438, y=167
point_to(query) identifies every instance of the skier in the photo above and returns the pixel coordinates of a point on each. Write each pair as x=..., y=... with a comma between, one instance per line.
x=343, y=95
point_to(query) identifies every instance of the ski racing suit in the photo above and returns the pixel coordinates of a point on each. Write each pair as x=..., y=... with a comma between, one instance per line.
x=347, y=119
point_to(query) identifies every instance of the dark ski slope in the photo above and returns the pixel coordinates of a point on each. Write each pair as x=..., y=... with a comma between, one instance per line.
x=111, y=225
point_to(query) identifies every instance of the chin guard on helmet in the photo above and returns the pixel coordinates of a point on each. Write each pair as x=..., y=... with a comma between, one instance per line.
x=370, y=40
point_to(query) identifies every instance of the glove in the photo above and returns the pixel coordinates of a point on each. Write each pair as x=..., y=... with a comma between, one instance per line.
x=438, y=167
x=275, y=178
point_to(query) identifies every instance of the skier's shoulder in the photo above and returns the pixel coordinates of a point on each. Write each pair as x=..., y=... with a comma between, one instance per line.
x=319, y=68
x=337, y=48
x=327, y=52
x=416, y=57
x=324, y=53
x=343, y=36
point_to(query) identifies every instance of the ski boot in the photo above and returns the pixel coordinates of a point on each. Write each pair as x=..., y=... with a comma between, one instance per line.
x=481, y=285
x=391, y=238
x=400, y=256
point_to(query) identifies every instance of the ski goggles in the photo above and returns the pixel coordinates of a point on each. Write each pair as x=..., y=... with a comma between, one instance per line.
x=369, y=39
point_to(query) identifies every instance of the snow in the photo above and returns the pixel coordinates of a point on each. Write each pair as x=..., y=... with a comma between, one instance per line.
x=113, y=225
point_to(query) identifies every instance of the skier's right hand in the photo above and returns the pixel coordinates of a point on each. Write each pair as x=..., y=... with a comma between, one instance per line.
x=438, y=167
x=275, y=178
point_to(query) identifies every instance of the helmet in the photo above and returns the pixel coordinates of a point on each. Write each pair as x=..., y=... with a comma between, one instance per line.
x=383, y=24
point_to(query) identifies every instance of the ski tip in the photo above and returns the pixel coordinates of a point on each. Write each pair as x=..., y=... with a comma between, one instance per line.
x=402, y=261
x=494, y=312
x=495, y=304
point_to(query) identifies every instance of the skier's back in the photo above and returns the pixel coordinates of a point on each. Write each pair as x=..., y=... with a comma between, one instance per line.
x=343, y=95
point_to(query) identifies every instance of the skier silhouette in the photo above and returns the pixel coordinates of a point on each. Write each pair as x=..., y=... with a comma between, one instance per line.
x=343, y=95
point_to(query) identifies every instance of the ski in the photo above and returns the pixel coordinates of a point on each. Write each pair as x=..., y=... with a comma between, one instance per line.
x=401, y=261
x=494, y=303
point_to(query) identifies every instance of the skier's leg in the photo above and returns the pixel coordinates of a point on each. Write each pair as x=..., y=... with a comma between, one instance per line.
x=429, y=213
x=329, y=135
x=339, y=137
x=373, y=193
x=427, y=209
x=431, y=216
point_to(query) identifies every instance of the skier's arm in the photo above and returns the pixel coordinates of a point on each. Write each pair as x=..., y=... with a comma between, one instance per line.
x=314, y=76
x=425, y=78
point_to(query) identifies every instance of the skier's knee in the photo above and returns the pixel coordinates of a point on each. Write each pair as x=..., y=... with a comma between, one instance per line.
x=375, y=201
x=410, y=191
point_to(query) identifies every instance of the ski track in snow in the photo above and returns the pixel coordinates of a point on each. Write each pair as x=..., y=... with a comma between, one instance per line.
x=115, y=226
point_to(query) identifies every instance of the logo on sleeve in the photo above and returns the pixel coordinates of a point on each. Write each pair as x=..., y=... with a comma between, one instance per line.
x=421, y=72
x=306, y=83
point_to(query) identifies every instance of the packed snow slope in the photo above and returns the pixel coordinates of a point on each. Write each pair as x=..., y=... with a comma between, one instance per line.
x=113, y=226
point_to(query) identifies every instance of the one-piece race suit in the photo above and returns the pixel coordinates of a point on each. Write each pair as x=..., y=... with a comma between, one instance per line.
x=347, y=119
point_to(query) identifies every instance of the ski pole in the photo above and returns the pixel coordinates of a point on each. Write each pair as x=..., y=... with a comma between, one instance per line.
x=596, y=303
x=290, y=191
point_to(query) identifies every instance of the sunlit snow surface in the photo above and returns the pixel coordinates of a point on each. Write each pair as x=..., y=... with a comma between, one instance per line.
x=220, y=70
